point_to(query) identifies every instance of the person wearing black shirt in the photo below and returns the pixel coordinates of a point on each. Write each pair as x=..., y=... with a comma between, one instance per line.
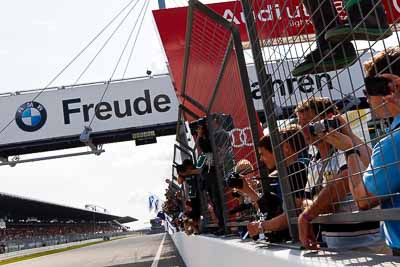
x=188, y=174
x=203, y=143
x=208, y=170
x=293, y=146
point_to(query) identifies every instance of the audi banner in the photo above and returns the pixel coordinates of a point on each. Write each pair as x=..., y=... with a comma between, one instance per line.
x=275, y=18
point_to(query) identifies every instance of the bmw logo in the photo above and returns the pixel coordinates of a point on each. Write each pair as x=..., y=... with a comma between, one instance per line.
x=31, y=116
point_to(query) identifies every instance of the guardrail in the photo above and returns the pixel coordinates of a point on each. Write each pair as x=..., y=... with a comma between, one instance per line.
x=14, y=246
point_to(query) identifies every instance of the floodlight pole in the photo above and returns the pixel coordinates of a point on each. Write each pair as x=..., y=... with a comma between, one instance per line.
x=267, y=92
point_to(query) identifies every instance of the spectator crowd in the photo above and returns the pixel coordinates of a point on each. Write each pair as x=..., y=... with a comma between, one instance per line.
x=18, y=236
x=329, y=168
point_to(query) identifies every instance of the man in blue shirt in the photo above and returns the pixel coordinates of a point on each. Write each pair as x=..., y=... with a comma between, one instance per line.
x=382, y=177
x=379, y=183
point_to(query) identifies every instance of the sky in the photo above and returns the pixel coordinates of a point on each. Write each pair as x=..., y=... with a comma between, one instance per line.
x=38, y=39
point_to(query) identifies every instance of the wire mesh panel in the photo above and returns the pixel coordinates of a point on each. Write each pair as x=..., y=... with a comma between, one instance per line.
x=205, y=50
x=185, y=139
x=234, y=147
x=338, y=91
x=216, y=83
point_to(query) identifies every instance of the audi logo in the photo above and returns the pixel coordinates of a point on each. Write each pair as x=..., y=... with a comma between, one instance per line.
x=241, y=137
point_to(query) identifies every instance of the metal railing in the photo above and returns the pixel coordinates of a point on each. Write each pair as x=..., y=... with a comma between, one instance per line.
x=19, y=244
x=214, y=87
x=322, y=102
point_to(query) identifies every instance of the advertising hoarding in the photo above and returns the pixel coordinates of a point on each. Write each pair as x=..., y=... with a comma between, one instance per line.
x=129, y=104
x=290, y=90
x=287, y=20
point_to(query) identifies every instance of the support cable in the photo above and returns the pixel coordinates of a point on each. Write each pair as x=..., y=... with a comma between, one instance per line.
x=137, y=36
x=107, y=41
x=142, y=11
x=116, y=66
x=73, y=59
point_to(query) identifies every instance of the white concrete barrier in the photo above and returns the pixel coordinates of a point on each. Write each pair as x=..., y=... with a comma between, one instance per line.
x=201, y=251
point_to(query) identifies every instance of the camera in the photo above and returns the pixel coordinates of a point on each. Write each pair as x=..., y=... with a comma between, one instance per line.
x=236, y=194
x=196, y=124
x=323, y=126
x=225, y=120
x=234, y=180
x=377, y=86
x=191, y=187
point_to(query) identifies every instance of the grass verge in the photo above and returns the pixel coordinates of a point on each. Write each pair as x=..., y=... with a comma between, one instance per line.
x=53, y=251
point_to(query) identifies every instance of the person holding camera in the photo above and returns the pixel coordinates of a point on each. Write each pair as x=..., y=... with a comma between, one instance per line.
x=328, y=184
x=203, y=143
x=240, y=182
x=366, y=20
x=293, y=146
x=379, y=175
x=207, y=173
x=207, y=163
x=188, y=175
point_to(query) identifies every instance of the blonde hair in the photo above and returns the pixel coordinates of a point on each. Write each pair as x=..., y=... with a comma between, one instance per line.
x=243, y=166
x=320, y=105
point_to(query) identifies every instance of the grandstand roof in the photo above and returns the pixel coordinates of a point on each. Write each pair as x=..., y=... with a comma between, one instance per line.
x=21, y=208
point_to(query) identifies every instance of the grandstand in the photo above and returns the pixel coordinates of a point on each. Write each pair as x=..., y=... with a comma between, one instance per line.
x=27, y=223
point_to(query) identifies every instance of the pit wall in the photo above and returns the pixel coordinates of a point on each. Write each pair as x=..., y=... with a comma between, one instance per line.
x=210, y=251
x=201, y=251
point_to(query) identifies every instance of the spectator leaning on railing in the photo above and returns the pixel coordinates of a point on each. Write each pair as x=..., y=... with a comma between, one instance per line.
x=327, y=185
x=382, y=176
x=189, y=175
x=207, y=170
x=293, y=145
x=245, y=170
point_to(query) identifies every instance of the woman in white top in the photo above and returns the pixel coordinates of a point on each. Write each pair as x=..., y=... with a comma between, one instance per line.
x=328, y=186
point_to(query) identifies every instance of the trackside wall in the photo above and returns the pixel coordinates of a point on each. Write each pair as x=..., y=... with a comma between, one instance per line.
x=205, y=251
x=200, y=251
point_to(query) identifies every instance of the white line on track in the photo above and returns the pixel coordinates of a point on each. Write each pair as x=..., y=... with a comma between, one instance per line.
x=158, y=254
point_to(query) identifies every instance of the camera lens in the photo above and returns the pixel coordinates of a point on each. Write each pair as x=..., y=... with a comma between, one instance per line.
x=235, y=194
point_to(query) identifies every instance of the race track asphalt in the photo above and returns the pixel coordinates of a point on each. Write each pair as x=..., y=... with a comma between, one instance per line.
x=139, y=251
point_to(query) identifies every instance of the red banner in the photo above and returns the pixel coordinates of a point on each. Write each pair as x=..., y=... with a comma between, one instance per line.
x=275, y=18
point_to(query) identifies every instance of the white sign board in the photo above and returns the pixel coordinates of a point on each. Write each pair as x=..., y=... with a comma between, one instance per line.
x=291, y=90
x=64, y=112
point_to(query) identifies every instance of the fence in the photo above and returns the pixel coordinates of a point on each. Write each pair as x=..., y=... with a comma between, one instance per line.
x=328, y=112
x=341, y=87
x=215, y=53
x=48, y=241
